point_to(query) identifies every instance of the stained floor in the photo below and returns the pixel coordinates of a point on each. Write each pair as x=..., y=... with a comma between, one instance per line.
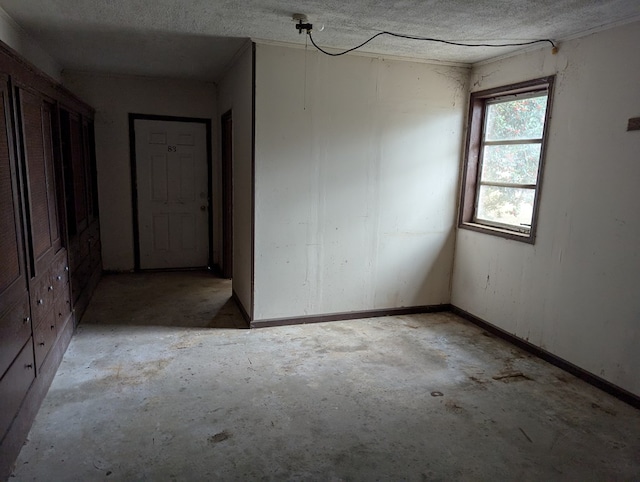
x=420, y=397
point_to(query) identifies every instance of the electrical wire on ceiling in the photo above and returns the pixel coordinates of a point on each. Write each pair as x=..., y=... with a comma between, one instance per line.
x=300, y=26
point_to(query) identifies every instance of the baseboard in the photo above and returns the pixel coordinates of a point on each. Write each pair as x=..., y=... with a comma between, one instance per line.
x=349, y=315
x=569, y=367
x=17, y=433
x=243, y=312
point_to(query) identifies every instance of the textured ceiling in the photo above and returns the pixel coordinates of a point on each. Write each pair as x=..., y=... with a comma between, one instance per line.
x=198, y=38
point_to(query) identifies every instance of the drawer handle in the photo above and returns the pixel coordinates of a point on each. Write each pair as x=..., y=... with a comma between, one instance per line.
x=41, y=301
x=66, y=268
x=26, y=319
x=50, y=288
x=53, y=327
x=41, y=343
x=58, y=277
x=29, y=366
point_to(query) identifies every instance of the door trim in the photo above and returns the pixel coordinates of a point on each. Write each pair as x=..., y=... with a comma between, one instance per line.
x=134, y=179
x=227, y=194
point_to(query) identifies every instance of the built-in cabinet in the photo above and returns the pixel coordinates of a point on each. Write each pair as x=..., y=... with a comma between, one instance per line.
x=50, y=257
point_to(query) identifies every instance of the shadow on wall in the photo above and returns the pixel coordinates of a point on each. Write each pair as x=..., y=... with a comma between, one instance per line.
x=193, y=299
x=157, y=53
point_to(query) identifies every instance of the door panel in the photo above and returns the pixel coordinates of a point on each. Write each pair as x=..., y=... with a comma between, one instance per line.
x=36, y=117
x=79, y=173
x=172, y=192
x=15, y=315
x=13, y=284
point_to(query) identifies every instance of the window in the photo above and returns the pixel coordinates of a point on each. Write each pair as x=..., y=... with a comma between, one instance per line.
x=504, y=159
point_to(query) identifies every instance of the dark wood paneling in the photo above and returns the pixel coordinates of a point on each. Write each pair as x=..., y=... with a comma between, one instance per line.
x=36, y=123
x=13, y=279
x=14, y=385
x=9, y=247
x=13, y=441
x=31, y=117
x=79, y=172
x=44, y=155
x=48, y=153
x=44, y=337
x=15, y=330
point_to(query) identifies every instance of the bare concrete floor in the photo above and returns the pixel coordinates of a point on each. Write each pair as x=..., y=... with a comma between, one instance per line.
x=421, y=397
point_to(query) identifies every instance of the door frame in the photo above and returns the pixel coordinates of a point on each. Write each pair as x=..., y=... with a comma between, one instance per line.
x=134, y=179
x=226, y=147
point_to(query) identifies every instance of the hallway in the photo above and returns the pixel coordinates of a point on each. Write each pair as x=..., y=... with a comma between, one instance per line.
x=148, y=391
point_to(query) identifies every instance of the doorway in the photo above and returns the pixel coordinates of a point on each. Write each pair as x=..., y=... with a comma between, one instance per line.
x=171, y=186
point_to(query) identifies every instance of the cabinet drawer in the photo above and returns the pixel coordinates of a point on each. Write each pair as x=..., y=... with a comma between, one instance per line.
x=14, y=386
x=15, y=330
x=42, y=297
x=44, y=336
x=63, y=305
x=60, y=269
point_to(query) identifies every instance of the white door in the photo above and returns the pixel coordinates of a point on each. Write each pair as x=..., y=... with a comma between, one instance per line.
x=171, y=170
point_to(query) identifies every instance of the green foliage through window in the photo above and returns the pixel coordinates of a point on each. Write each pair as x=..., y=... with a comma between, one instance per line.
x=511, y=150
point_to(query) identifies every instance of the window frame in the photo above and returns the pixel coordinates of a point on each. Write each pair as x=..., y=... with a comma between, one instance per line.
x=474, y=144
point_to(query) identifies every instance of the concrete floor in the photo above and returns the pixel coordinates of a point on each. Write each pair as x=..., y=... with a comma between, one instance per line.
x=421, y=397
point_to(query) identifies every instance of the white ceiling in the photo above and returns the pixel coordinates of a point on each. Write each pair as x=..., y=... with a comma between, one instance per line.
x=198, y=38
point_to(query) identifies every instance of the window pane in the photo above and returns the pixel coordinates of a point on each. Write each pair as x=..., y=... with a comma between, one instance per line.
x=516, y=163
x=506, y=205
x=516, y=119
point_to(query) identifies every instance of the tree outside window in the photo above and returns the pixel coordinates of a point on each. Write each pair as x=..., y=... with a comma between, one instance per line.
x=503, y=165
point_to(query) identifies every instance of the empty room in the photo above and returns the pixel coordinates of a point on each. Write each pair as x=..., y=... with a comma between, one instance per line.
x=278, y=240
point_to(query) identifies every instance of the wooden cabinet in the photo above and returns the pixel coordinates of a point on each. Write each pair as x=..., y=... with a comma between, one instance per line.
x=15, y=384
x=78, y=157
x=49, y=238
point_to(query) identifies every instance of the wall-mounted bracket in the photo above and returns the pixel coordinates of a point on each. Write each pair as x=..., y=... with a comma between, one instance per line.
x=303, y=23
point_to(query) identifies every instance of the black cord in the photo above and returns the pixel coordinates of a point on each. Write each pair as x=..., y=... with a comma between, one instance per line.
x=428, y=39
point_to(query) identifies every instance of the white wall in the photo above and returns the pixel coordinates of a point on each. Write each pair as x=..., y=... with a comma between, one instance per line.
x=19, y=40
x=576, y=292
x=355, y=183
x=114, y=97
x=235, y=92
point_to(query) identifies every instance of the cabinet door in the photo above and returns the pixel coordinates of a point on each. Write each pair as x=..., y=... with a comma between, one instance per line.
x=79, y=171
x=37, y=148
x=15, y=326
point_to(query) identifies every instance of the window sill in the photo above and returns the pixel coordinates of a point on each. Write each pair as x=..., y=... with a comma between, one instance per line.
x=499, y=232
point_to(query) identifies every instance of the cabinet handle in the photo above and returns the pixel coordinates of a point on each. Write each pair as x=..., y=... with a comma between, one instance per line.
x=41, y=343
x=28, y=366
x=66, y=268
x=50, y=288
x=41, y=301
x=58, y=277
x=53, y=327
x=26, y=319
